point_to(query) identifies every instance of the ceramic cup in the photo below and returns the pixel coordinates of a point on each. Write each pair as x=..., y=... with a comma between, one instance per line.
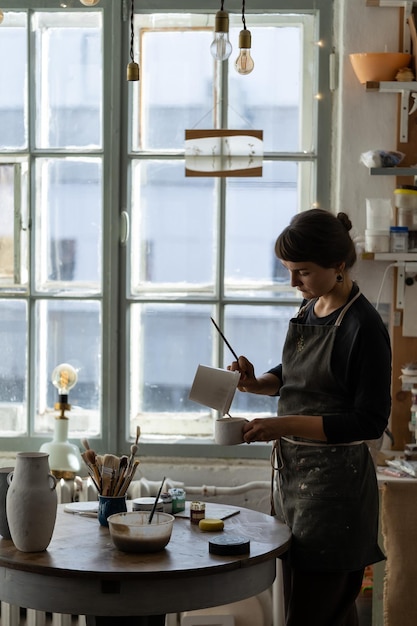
x=228, y=431
x=4, y=485
x=108, y=505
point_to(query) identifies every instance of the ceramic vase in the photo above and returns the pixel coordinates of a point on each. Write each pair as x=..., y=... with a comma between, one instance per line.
x=31, y=502
x=4, y=485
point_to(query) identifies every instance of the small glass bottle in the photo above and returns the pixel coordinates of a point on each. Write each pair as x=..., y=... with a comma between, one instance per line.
x=197, y=512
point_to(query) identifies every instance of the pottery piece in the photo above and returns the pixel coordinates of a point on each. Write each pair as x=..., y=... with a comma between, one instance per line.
x=31, y=502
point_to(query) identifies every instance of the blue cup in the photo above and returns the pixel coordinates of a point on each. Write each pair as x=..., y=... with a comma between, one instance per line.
x=108, y=505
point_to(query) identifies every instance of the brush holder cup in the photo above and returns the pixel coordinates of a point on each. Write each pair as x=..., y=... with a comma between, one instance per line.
x=109, y=505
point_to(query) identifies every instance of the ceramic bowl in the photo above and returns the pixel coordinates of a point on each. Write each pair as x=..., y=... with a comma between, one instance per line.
x=131, y=531
x=378, y=66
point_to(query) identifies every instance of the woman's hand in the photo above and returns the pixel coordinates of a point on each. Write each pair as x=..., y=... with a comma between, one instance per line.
x=271, y=428
x=263, y=429
x=266, y=384
x=248, y=380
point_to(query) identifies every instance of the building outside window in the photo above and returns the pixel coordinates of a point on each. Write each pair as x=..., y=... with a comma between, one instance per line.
x=111, y=258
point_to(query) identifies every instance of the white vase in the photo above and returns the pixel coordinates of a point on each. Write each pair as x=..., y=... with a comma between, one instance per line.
x=31, y=502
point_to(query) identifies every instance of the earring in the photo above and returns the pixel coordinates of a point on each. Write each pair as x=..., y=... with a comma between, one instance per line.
x=339, y=278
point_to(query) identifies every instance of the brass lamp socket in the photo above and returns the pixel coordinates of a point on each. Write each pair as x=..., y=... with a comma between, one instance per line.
x=62, y=407
x=245, y=39
x=221, y=24
x=132, y=72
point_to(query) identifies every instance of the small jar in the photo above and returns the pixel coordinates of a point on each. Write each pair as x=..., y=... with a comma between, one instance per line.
x=399, y=239
x=197, y=512
x=178, y=499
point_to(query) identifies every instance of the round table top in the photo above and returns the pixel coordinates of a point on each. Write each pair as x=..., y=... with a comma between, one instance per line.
x=82, y=556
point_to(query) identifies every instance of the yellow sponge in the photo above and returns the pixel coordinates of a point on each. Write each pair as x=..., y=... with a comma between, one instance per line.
x=211, y=524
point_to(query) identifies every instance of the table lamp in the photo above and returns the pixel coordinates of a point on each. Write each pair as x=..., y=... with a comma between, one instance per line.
x=64, y=457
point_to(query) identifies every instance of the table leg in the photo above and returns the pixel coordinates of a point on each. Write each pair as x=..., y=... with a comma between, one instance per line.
x=145, y=620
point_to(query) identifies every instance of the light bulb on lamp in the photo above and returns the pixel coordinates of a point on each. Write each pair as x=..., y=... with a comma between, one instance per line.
x=244, y=63
x=221, y=48
x=64, y=457
x=89, y=3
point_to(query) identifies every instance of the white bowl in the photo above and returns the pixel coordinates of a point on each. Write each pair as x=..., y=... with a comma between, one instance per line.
x=131, y=531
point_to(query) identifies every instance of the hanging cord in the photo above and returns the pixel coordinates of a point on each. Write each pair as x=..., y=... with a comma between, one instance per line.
x=243, y=15
x=222, y=6
x=132, y=32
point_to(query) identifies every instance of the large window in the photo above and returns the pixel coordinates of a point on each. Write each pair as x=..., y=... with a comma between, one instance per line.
x=111, y=258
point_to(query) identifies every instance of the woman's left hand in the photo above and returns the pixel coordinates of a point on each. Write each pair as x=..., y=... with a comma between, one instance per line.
x=262, y=429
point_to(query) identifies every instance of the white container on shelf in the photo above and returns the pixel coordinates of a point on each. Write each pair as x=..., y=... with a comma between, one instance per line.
x=377, y=240
x=378, y=214
x=406, y=197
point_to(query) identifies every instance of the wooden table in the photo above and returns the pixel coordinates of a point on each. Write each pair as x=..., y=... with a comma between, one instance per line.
x=82, y=573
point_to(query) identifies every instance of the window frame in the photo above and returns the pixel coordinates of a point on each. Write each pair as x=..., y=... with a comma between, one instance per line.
x=116, y=155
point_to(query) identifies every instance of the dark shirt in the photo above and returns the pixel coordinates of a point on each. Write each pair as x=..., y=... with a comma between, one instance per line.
x=361, y=361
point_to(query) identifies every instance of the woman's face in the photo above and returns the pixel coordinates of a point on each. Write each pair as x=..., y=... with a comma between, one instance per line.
x=311, y=279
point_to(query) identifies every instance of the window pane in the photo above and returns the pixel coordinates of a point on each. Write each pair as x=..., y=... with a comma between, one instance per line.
x=169, y=101
x=13, y=81
x=68, y=220
x=277, y=96
x=167, y=344
x=68, y=79
x=13, y=367
x=257, y=210
x=69, y=332
x=258, y=332
x=173, y=228
x=13, y=225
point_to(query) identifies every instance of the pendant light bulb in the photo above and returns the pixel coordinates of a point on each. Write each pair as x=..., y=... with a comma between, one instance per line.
x=89, y=3
x=221, y=48
x=244, y=63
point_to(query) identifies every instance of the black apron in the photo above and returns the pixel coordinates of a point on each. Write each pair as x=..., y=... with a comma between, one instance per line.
x=326, y=493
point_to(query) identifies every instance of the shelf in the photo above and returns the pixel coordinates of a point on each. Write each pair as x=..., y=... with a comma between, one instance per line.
x=393, y=171
x=390, y=256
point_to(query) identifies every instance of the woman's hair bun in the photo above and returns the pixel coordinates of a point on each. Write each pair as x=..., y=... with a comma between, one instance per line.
x=342, y=217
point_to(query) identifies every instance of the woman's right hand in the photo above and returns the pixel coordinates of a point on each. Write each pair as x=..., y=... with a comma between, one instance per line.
x=267, y=384
x=248, y=381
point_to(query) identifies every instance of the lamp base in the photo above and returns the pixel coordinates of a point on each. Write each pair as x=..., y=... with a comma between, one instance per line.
x=63, y=474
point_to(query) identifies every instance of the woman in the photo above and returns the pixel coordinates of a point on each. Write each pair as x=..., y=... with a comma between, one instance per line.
x=334, y=387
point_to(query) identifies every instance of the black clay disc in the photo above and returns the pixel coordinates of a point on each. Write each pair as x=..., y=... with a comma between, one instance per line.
x=229, y=545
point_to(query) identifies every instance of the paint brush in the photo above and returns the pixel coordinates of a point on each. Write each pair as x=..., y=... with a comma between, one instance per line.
x=156, y=501
x=225, y=340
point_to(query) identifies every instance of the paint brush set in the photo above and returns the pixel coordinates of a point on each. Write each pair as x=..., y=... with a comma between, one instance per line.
x=111, y=474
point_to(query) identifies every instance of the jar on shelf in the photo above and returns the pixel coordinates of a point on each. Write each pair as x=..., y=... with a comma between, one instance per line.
x=405, y=198
x=399, y=239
